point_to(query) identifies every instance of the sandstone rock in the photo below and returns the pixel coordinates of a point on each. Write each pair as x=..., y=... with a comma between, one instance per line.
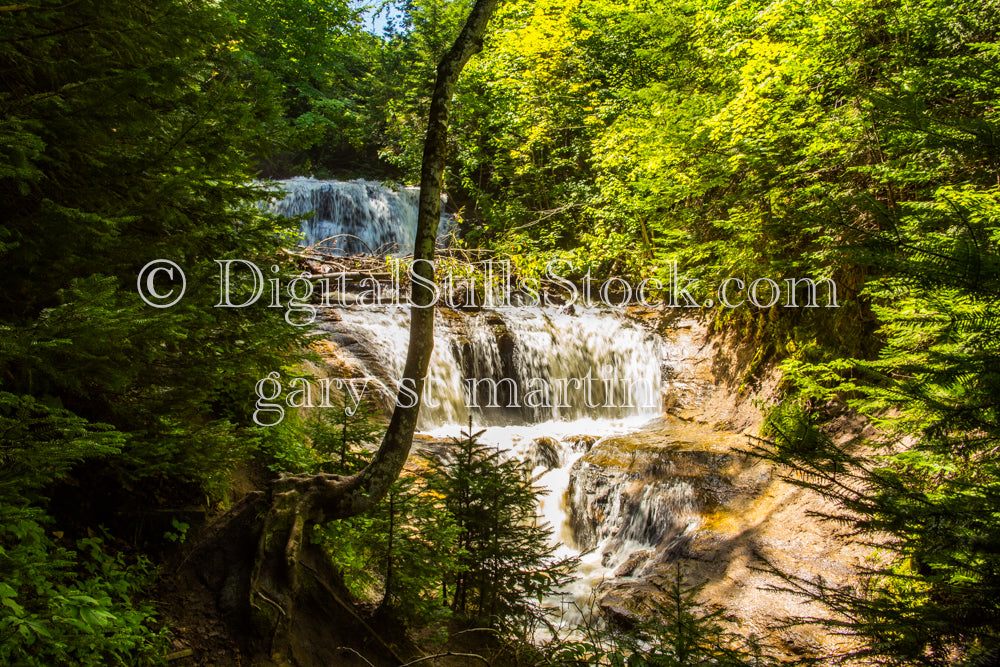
x=632, y=563
x=544, y=452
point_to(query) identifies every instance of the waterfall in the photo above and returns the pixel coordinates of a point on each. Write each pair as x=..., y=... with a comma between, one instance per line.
x=513, y=366
x=610, y=517
x=625, y=518
x=357, y=217
x=547, y=385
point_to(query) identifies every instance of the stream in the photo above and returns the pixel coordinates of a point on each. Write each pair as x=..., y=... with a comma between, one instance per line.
x=576, y=392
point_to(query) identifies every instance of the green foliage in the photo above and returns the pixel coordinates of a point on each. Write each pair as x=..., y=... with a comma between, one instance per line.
x=60, y=605
x=40, y=443
x=630, y=134
x=676, y=630
x=399, y=554
x=682, y=632
x=405, y=78
x=353, y=103
x=344, y=441
x=128, y=136
x=325, y=66
x=460, y=536
x=140, y=152
x=180, y=527
x=928, y=497
x=506, y=563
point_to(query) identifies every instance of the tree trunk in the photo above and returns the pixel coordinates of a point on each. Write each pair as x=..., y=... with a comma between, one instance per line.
x=387, y=595
x=282, y=572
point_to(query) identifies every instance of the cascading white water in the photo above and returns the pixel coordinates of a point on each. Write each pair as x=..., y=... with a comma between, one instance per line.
x=634, y=517
x=545, y=346
x=365, y=217
x=617, y=363
x=515, y=366
x=546, y=384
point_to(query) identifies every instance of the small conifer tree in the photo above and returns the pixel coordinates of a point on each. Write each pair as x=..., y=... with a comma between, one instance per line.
x=505, y=554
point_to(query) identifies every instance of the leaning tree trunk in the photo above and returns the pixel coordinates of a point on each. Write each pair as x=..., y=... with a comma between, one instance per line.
x=286, y=568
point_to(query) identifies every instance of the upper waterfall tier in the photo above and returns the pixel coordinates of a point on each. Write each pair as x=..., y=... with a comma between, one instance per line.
x=357, y=217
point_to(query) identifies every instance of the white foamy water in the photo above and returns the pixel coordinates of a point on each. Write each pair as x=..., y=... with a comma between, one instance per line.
x=545, y=364
x=357, y=217
x=525, y=345
x=572, y=603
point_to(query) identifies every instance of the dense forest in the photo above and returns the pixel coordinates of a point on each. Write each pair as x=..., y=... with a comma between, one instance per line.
x=852, y=141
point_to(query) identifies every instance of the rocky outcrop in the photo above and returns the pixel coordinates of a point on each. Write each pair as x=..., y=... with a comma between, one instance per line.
x=680, y=494
x=649, y=492
x=543, y=452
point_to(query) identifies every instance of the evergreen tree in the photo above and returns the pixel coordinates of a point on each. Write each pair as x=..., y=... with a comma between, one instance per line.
x=674, y=629
x=130, y=139
x=345, y=439
x=400, y=553
x=505, y=554
x=127, y=136
x=407, y=72
x=326, y=68
x=682, y=631
x=923, y=490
